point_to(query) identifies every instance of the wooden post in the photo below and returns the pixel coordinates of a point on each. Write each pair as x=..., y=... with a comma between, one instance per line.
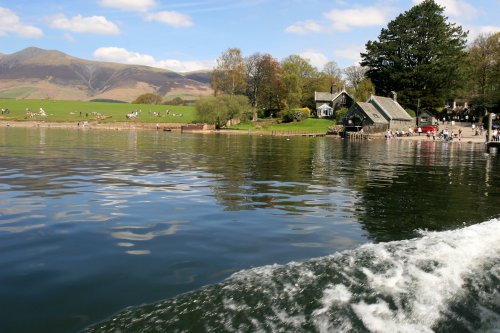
x=490, y=127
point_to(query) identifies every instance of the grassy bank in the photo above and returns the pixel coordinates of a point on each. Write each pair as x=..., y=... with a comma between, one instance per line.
x=309, y=126
x=64, y=111
x=76, y=111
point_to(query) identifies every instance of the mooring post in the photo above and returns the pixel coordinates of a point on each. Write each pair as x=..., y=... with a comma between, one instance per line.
x=490, y=127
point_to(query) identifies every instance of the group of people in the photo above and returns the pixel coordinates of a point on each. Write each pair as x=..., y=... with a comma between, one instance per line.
x=398, y=133
x=445, y=134
x=495, y=135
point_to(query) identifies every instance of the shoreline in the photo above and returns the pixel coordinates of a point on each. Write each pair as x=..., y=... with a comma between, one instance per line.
x=467, y=134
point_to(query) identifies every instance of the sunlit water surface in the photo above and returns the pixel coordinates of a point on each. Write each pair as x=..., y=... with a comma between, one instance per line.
x=153, y=231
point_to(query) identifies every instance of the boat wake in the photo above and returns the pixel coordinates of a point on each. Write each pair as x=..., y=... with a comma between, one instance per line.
x=441, y=282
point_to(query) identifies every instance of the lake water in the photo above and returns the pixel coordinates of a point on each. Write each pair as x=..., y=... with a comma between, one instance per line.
x=117, y=231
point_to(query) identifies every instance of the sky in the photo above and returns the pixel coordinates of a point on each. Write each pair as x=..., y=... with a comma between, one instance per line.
x=190, y=35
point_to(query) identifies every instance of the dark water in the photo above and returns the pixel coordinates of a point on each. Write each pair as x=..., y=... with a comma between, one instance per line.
x=237, y=233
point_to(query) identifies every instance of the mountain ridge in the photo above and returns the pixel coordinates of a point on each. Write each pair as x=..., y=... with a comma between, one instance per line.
x=51, y=74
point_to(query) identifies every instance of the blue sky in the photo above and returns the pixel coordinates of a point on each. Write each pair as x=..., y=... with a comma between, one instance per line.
x=189, y=35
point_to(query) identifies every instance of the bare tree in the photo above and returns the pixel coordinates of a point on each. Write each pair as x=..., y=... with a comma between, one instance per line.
x=354, y=75
x=332, y=69
x=229, y=73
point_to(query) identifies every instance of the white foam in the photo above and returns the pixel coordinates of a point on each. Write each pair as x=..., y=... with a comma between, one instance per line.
x=425, y=275
x=402, y=286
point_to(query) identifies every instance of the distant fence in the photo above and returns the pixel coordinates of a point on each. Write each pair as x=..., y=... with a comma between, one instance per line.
x=356, y=136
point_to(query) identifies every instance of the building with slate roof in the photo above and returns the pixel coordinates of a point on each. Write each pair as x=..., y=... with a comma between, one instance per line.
x=377, y=115
x=327, y=103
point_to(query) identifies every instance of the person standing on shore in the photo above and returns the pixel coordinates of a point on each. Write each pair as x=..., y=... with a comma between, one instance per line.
x=419, y=130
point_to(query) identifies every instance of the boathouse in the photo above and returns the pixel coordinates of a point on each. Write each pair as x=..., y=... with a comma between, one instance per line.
x=377, y=115
x=424, y=118
x=327, y=103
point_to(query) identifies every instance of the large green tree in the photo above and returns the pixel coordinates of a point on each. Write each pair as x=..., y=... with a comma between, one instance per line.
x=418, y=55
x=296, y=70
x=483, y=88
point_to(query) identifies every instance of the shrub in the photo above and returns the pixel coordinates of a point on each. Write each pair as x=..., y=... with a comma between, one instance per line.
x=218, y=110
x=175, y=101
x=286, y=116
x=148, y=98
x=301, y=114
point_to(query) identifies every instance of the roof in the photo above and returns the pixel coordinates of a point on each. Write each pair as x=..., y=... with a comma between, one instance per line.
x=372, y=112
x=323, y=96
x=325, y=107
x=320, y=96
x=391, y=108
x=338, y=94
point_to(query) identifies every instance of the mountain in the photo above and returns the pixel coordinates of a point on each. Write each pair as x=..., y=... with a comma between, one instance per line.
x=37, y=73
x=200, y=76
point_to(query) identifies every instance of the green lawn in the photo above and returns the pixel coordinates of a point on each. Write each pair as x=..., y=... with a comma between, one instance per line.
x=76, y=111
x=61, y=111
x=309, y=126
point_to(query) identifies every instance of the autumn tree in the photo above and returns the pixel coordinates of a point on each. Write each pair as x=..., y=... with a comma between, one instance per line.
x=272, y=90
x=418, y=55
x=229, y=74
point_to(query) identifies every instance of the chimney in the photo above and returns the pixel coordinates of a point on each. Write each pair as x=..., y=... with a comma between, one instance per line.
x=333, y=89
x=394, y=96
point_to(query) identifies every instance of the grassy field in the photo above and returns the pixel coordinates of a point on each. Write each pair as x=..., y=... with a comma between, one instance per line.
x=78, y=111
x=75, y=111
x=307, y=126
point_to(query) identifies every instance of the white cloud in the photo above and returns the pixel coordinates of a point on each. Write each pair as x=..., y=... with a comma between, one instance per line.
x=455, y=8
x=123, y=56
x=346, y=19
x=10, y=23
x=132, y=5
x=316, y=59
x=351, y=52
x=173, y=19
x=303, y=27
x=181, y=66
x=79, y=24
x=476, y=30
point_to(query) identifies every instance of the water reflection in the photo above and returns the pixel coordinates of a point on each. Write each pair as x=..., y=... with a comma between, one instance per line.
x=131, y=217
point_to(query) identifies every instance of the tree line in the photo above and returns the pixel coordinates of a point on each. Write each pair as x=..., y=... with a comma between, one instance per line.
x=427, y=61
x=420, y=55
x=277, y=88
